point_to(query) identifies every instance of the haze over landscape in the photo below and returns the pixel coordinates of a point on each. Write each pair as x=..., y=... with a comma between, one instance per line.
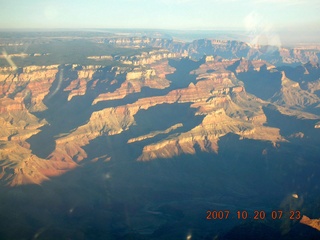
x=137, y=119
x=286, y=21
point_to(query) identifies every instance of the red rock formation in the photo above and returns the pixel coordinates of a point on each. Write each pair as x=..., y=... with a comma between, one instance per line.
x=153, y=77
x=22, y=167
x=78, y=87
x=216, y=94
x=291, y=95
x=33, y=83
x=314, y=223
x=211, y=95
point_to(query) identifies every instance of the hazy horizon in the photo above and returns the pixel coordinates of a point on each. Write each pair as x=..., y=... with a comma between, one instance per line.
x=279, y=39
x=261, y=21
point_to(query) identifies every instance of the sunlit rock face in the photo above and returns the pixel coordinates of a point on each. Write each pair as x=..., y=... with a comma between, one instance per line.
x=315, y=223
x=30, y=84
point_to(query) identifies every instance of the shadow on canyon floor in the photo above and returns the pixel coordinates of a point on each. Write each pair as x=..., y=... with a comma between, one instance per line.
x=168, y=198
x=63, y=116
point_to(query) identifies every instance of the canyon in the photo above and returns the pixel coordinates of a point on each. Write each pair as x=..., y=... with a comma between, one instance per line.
x=173, y=108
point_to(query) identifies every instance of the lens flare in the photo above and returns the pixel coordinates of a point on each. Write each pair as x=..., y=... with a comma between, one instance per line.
x=59, y=84
x=9, y=60
x=261, y=32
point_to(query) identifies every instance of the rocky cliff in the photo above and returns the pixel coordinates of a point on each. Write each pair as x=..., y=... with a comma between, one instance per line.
x=226, y=49
x=315, y=223
x=51, y=115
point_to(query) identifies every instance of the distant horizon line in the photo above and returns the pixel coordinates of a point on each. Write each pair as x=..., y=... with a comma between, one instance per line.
x=120, y=28
x=241, y=35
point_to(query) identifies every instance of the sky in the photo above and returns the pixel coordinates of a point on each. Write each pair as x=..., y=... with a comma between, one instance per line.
x=253, y=16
